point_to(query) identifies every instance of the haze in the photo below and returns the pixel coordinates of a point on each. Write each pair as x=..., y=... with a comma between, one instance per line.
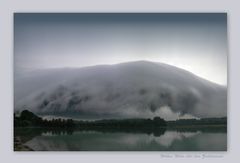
x=194, y=42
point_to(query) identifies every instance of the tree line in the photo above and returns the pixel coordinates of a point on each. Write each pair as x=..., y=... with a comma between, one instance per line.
x=29, y=119
x=156, y=122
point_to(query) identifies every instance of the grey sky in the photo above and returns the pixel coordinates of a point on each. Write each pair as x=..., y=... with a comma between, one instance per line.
x=194, y=42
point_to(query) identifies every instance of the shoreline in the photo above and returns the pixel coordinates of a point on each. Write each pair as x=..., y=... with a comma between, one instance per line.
x=19, y=143
x=19, y=146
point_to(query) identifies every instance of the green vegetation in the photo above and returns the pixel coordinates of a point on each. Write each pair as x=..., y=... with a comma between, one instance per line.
x=124, y=123
x=29, y=119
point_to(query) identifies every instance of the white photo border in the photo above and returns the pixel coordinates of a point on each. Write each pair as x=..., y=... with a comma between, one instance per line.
x=9, y=7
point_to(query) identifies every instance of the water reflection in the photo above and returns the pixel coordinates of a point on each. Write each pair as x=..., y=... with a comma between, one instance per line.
x=169, y=137
x=56, y=132
x=213, y=139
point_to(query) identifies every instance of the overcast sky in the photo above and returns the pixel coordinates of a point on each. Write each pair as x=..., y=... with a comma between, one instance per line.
x=194, y=42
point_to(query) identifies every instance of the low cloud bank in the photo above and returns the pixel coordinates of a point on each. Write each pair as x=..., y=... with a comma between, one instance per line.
x=128, y=90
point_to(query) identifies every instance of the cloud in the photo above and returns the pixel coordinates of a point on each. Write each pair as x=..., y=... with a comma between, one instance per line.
x=134, y=89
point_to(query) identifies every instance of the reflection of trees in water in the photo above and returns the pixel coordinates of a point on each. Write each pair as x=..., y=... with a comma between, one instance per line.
x=149, y=131
x=26, y=134
x=158, y=133
x=55, y=131
x=203, y=129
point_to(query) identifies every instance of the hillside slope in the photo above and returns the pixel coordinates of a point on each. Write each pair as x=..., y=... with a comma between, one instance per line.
x=133, y=89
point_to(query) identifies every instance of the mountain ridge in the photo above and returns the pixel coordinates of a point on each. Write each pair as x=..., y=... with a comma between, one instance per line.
x=139, y=88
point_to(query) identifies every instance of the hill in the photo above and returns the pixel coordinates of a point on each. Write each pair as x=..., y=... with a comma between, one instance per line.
x=138, y=89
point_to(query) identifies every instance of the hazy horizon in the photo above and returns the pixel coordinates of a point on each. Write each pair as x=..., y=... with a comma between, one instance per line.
x=89, y=66
x=194, y=42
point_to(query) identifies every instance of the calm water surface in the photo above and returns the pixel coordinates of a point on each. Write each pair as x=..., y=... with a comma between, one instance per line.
x=168, y=140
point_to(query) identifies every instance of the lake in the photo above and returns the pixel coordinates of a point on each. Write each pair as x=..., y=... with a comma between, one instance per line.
x=194, y=139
